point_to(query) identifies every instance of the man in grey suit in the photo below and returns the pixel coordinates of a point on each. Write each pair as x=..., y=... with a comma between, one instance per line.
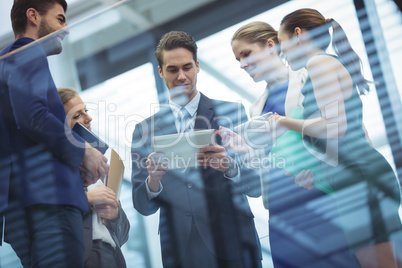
x=205, y=219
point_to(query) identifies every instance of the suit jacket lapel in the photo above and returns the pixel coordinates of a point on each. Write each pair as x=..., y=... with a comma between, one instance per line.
x=164, y=122
x=205, y=114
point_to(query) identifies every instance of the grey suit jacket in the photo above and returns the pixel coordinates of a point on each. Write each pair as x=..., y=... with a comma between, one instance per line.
x=201, y=196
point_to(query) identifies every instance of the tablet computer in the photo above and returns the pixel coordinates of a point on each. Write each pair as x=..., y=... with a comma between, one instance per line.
x=181, y=149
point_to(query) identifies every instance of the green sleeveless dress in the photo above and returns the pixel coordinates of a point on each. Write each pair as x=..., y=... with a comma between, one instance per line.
x=364, y=184
x=291, y=153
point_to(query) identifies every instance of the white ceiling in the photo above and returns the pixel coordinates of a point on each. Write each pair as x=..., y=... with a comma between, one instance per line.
x=5, y=8
x=6, y=33
x=139, y=15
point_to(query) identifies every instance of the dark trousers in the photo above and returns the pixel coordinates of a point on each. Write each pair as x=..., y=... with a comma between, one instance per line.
x=102, y=255
x=197, y=255
x=46, y=235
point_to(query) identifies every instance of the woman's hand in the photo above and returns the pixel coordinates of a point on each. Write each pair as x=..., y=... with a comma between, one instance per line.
x=101, y=195
x=274, y=127
x=105, y=202
x=305, y=179
x=108, y=212
x=232, y=141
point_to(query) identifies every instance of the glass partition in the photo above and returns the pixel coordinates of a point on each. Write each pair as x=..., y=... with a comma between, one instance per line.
x=108, y=58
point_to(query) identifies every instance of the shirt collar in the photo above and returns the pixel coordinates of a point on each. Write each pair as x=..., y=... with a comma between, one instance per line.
x=191, y=107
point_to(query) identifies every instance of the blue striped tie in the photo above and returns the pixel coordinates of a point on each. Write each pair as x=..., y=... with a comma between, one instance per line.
x=184, y=117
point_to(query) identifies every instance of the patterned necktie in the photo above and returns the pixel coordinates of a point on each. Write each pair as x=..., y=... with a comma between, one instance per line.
x=184, y=117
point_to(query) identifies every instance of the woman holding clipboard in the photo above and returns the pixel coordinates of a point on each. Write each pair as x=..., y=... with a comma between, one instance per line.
x=106, y=225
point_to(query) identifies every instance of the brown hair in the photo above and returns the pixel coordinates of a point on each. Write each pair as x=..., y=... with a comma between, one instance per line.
x=66, y=94
x=318, y=27
x=173, y=40
x=20, y=7
x=256, y=32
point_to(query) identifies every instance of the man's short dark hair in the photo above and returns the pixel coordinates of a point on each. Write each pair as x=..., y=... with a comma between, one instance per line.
x=173, y=40
x=20, y=7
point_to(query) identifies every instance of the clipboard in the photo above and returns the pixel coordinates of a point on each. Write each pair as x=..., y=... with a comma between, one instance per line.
x=181, y=149
x=114, y=179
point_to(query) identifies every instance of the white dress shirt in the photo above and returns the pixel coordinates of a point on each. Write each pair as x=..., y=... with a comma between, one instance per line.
x=191, y=108
x=99, y=230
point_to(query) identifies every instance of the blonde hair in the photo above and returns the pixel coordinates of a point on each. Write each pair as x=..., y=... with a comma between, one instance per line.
x=256, y=32
x=66, y=94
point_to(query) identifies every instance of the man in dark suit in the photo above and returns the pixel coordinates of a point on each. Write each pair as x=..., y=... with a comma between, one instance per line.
x=205, y=219
x=5, y=160
x=43, y=210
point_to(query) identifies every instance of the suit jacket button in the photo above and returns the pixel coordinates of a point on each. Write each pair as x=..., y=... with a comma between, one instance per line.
x=188, y=213
x=190, y=185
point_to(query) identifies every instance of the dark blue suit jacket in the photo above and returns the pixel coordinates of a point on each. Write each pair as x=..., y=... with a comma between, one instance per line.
x=43, y=155
x=217, y=205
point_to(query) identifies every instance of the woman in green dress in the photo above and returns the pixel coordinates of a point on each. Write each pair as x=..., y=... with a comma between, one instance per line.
x=364, y=184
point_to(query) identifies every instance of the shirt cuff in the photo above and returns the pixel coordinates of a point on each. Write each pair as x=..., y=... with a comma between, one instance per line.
x=152, y=195
x=233, y=173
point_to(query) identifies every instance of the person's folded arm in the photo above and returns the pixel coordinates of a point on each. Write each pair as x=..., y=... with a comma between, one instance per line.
x=32, y=95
